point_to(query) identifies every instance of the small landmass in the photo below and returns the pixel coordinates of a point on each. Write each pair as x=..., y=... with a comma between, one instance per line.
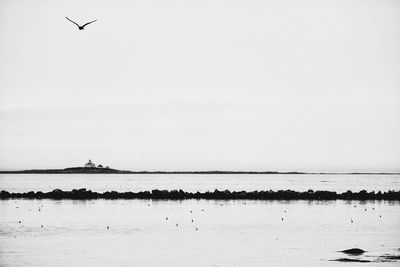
x=88, y=168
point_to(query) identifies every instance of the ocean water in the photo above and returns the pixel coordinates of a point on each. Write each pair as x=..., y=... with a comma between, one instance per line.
x=222, y=233
x=199, y=182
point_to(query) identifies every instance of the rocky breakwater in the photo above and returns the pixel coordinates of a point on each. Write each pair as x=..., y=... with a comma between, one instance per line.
x=216, y=194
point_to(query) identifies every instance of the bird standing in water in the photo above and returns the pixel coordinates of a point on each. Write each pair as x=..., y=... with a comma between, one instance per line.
x=79, y=26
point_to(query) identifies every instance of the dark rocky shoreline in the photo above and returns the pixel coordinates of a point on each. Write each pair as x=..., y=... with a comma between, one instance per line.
x=225, y=195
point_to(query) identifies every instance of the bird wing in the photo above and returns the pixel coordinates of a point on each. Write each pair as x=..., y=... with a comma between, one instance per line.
x=73, y=22
x=89, y=22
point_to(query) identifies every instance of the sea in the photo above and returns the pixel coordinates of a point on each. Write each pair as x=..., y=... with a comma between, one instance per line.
x=101, y=232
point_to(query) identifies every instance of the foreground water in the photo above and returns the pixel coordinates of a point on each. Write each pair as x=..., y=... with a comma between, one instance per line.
x=223, y=233
x=229, y=233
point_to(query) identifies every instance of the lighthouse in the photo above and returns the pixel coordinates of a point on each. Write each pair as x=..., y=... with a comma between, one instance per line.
x=90, y=164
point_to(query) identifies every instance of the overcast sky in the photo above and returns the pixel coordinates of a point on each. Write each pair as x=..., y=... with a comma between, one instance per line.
x=309, y=85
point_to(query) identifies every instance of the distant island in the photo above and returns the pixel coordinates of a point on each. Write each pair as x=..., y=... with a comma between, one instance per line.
x=85, y=170
x=91, y=168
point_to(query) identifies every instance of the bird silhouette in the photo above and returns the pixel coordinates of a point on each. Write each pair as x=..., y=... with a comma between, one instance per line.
x=79, y=26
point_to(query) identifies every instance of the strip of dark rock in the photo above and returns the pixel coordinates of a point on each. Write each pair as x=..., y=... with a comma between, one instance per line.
x=388, y=257
x=350, y=260
x=216, y=194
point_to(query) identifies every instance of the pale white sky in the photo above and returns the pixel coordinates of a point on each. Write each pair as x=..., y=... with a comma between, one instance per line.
x=309, y=85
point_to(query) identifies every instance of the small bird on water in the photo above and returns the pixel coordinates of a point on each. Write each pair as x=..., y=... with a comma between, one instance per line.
x=79, y=26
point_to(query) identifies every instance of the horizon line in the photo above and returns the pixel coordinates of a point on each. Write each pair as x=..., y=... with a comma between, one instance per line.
x=207, y=171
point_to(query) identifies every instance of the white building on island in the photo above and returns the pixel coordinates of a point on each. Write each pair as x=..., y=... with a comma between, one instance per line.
x=90, y=164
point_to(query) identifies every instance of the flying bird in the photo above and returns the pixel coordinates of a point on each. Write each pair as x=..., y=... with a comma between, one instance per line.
x=83, y=26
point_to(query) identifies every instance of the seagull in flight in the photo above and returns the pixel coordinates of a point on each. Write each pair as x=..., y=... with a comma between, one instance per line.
x=83, y=26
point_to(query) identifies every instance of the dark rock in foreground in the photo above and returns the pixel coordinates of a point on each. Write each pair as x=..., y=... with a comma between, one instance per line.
x=389, y=258
x=353, y=251
x=216, y=194
x=350, y=260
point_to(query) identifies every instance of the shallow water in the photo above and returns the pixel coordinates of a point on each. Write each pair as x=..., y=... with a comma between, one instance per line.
x=193, y=183
x=230, y=233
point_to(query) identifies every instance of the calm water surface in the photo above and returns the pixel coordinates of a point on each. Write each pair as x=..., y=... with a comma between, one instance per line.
x=193, y=183
x=229, y=233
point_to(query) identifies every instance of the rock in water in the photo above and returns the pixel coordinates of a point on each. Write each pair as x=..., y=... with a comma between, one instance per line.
x=353, y=251
x=350, y=260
